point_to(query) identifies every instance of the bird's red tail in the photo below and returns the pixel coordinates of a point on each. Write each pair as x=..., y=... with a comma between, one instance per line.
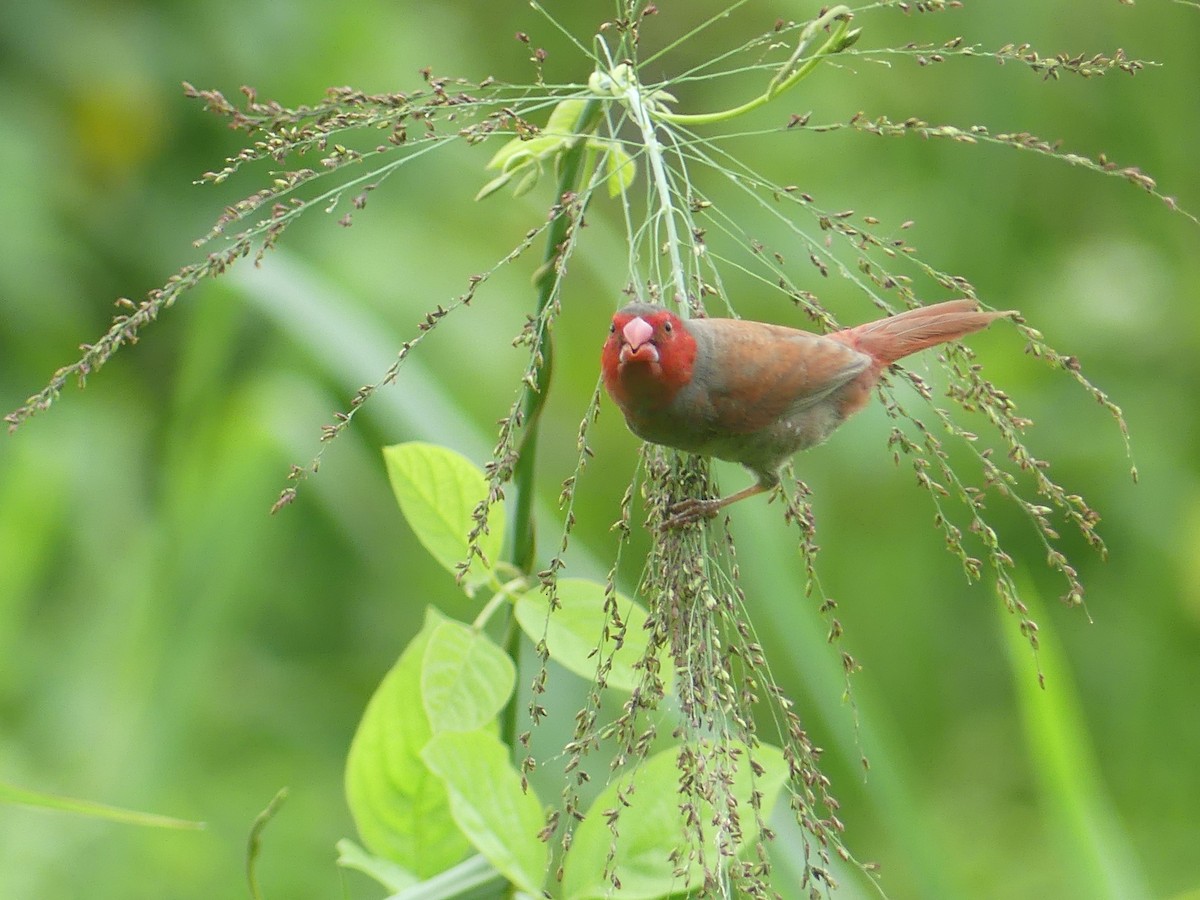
x=895, y=337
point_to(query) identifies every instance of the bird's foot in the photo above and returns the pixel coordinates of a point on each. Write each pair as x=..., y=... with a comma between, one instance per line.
x=693, y=509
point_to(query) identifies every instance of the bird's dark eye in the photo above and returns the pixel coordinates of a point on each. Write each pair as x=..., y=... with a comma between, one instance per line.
x=667, y=327
x=612, y=328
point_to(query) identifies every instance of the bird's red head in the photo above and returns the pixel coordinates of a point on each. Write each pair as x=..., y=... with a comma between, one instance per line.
x=648, y=356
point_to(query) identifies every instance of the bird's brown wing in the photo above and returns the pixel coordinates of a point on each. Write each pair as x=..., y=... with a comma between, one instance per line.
x=760, y=372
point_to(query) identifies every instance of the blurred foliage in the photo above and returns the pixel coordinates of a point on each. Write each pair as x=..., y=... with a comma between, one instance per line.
x=166, y=645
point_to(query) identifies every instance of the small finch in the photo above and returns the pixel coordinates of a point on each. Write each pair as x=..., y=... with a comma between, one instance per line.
x=755, y=393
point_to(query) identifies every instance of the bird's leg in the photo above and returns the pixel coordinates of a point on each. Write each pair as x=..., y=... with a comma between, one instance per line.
x=693, y=509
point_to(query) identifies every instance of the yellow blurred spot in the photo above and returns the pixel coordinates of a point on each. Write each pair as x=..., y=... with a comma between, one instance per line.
x=118, y=127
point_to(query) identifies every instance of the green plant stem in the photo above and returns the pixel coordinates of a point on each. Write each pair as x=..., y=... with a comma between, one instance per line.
x=662, y=186
x=788, y=76
x=523, y=553
x=505, y=592
x=254, y=844
x=571, y=168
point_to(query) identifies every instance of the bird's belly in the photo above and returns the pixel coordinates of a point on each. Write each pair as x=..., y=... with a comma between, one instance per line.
x=770, y=447
x=762, y=451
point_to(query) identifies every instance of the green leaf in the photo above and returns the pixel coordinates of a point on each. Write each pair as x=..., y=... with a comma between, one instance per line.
x=494, y=185
x=400, y=808
x=649, y=827
x=389, y=874
x=525, y=153
x=563, y=118
x=486, y=800
x=528, y=181
x=618, y=166
x=438, y=490
x=575, y=633
x=521, y=152
x=501, y=157
x=465, y=678
x=529, y=153
x=1100, y=855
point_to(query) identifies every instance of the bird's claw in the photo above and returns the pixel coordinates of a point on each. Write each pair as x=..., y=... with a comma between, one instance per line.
x=693, y=509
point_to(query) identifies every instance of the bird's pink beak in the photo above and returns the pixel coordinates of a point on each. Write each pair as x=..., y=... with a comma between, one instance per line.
x=637, y=333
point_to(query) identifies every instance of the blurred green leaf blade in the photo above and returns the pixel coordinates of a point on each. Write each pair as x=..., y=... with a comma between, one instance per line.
x=12, y=794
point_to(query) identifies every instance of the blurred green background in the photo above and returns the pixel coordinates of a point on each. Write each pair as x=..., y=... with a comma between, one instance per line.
x=167, y=645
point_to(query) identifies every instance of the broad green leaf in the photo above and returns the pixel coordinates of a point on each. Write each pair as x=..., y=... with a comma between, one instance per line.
x=465, y=678
x=438, y=490
x=489, y=805
x=575, y=631
x=400, y=808
x=651, y=827
x=392, y=876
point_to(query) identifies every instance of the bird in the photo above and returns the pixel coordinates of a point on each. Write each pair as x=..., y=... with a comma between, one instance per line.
x=756, y=393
